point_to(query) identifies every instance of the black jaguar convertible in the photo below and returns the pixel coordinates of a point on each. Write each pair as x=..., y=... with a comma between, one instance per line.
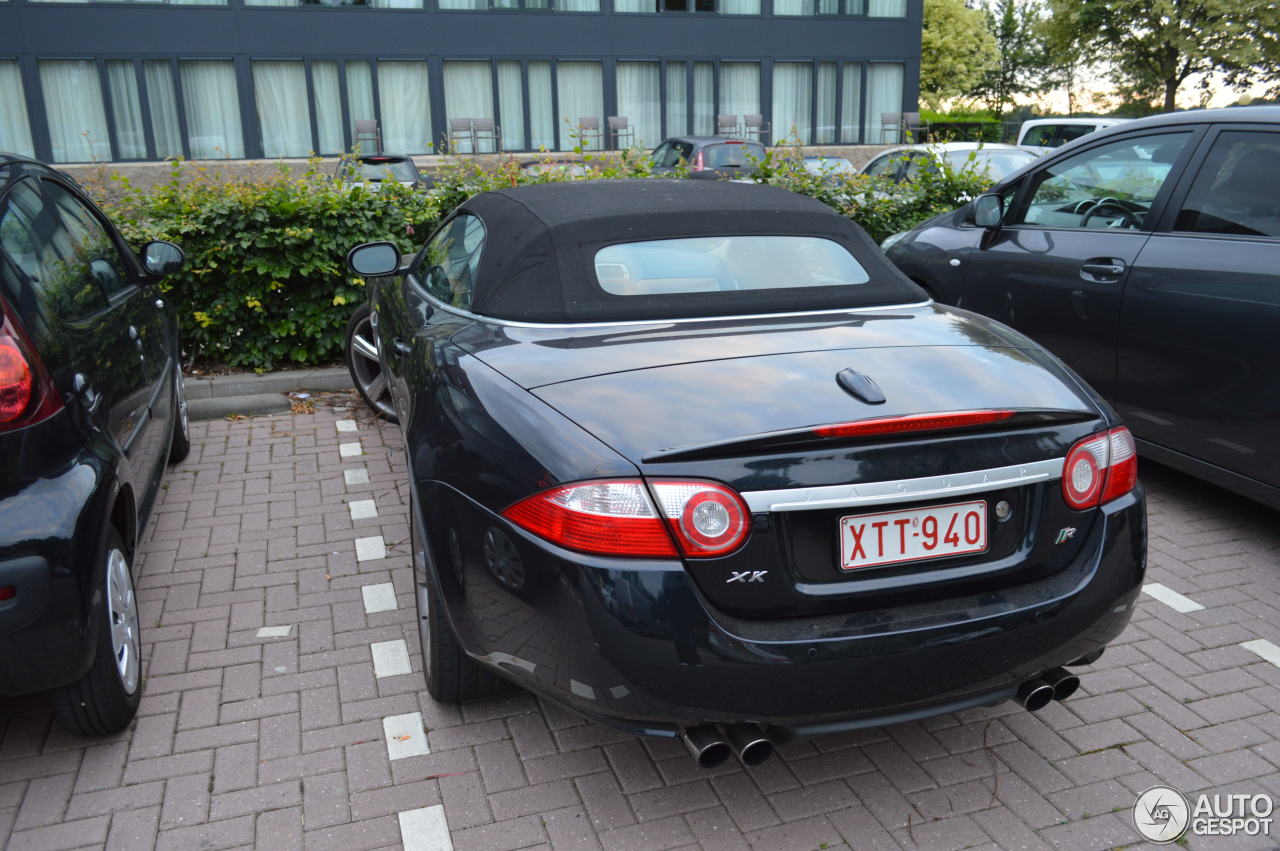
x=695, y=460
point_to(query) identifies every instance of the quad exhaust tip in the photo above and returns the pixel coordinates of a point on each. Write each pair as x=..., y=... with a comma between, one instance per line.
x=1034, y=694
x=706, y=745
x=1063, y=682
x=750, y=743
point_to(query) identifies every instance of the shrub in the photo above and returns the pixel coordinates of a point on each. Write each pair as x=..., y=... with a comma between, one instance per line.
x=265, y=280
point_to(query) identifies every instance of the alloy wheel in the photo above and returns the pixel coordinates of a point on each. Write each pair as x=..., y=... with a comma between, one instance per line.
x=366, y=368
x=122, y=614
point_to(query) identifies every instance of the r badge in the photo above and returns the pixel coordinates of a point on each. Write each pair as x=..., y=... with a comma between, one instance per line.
x=1065, y=534
x=746, y=576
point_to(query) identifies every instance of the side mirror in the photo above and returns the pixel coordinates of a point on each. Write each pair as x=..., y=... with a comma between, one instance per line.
x=988, y=211
x=162, y=258
x=374, y=260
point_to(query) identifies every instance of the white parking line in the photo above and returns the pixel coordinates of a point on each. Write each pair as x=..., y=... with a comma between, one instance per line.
x=370, y=549
x=425, y=829
x=346, y=425
x=1265, y=649
x=363, y=509
x=379, y=598
x=390, y=658
x=275, y=631
x=1171, y=598
x=350, y=450
x=358, y=476
x=405, y=736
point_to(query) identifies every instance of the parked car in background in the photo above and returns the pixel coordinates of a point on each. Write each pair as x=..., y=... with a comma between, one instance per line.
x=905, y=162
x=732, y=476
x=709, y=156
x=1043, y=134
x=372, y=171
x=91, y=407
x=1144, y=256
x=565, y=169
x=833, y=169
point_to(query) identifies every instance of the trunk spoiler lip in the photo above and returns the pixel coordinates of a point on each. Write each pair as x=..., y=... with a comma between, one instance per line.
x=806, y=437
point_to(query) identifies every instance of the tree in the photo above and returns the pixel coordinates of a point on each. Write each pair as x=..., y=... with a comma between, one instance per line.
x=1153, y=46
x=1020, y=67
x=957, y=49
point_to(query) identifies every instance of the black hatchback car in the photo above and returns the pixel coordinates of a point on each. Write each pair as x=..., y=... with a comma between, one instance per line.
x=695, y=460
x=1146, y=256
x=91, y=407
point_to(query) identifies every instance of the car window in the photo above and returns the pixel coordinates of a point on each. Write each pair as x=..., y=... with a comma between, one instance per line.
x=1238, y=188
x=1110, y=186
x=448, y=267
x=1040, y=136
x=91, y=240
x=378, y=170
x=732, y=155
x=720, y=263
x=996, y=165
x=664, y=156
x=920, y=161
x=883, y=164
x=53, y=259
x=1070, y=132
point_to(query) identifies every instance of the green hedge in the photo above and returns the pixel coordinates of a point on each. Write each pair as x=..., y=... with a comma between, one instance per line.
x=265, y=281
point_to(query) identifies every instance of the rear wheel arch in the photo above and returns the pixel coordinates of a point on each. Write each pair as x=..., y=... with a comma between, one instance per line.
x=124, y=518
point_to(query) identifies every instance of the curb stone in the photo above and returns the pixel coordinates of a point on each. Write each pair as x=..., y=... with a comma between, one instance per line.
x=224, y=395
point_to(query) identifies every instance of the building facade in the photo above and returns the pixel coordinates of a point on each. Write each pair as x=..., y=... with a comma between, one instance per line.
x=122, y=81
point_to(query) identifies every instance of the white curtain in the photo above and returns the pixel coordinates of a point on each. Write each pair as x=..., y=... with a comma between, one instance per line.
x=324, y=79
x=850, y=101
x=397, y=4
x=213, y=109
x=163, y=106
x=825, y=133
x=264, y=2
x=577, y=5
x=740, y=7
x=887, y=8
x=468, y=93
x=131, y=141
x=704, y=99
x=472, y=5
x=280, y=89
x=73, y=103
x=15, y=129
x=542, y=119
x=201, y=2
x=677, y=99
x=640, y=101
x=740, y=91
x=580, y=89
x=634, y=6
x=359, y=92
x=511, y=104
x=884, y=94
x=793, y=7
x=791, y=94
x=405, y=100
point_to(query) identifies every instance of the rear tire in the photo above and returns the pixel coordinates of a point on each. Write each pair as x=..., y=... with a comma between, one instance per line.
x=452, y=676
x=180, y=443
x=106, y=698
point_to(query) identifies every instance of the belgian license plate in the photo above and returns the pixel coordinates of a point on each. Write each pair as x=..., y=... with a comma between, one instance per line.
x=890, y=537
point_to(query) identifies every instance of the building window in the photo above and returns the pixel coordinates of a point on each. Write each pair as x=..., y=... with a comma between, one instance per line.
x=792, y=93
x=212, y=103
x=15, y=129
x=677, y=102
x=359, y=93
x=374, y=4
x=740, y=90
x=704, y=99
x=887, y=8
x=822, y=8
x=884, y=95
x=328, y=97
x=163, y=107
x=405, y=100
x=723, y=7
x=284, y=114
x=468, y=93
x=542, y=116
x=511, y=104
x=149, y=2
x=131, y=139
x=851, y=103
x=640, y=102
x=527, y=5
x=825, y=129
x=73, y=106
x=580, y=91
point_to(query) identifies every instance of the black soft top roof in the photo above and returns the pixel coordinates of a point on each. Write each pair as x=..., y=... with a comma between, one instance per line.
x=538, y=261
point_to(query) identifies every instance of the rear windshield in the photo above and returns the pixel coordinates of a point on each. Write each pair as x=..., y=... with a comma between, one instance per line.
x=997, y=165
x=733, y=154
x=725, y=263
x=400, y=171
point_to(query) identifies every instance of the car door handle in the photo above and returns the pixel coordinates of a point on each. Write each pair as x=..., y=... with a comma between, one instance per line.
x=1102, y=270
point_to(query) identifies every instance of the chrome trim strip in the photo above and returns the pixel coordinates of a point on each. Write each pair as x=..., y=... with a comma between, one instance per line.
x=903, y=490
x=631, y=323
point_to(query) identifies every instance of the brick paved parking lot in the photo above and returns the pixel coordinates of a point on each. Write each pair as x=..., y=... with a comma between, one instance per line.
x=284, y=703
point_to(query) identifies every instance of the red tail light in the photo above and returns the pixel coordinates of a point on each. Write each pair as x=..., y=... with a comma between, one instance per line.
x=27, y=394
x=698, y=162
x=1100, y=468
x=614, y=518
x=7, y=592
x=618, y=518
x=912, y=422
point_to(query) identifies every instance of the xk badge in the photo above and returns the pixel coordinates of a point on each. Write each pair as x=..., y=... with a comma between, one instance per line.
x=746, y=576
x=1065, y=534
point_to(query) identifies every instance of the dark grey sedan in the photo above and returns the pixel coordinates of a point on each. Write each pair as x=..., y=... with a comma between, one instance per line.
x=1146, y=257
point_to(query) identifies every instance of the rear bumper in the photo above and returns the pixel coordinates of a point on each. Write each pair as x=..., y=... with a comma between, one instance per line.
x=634, y=644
